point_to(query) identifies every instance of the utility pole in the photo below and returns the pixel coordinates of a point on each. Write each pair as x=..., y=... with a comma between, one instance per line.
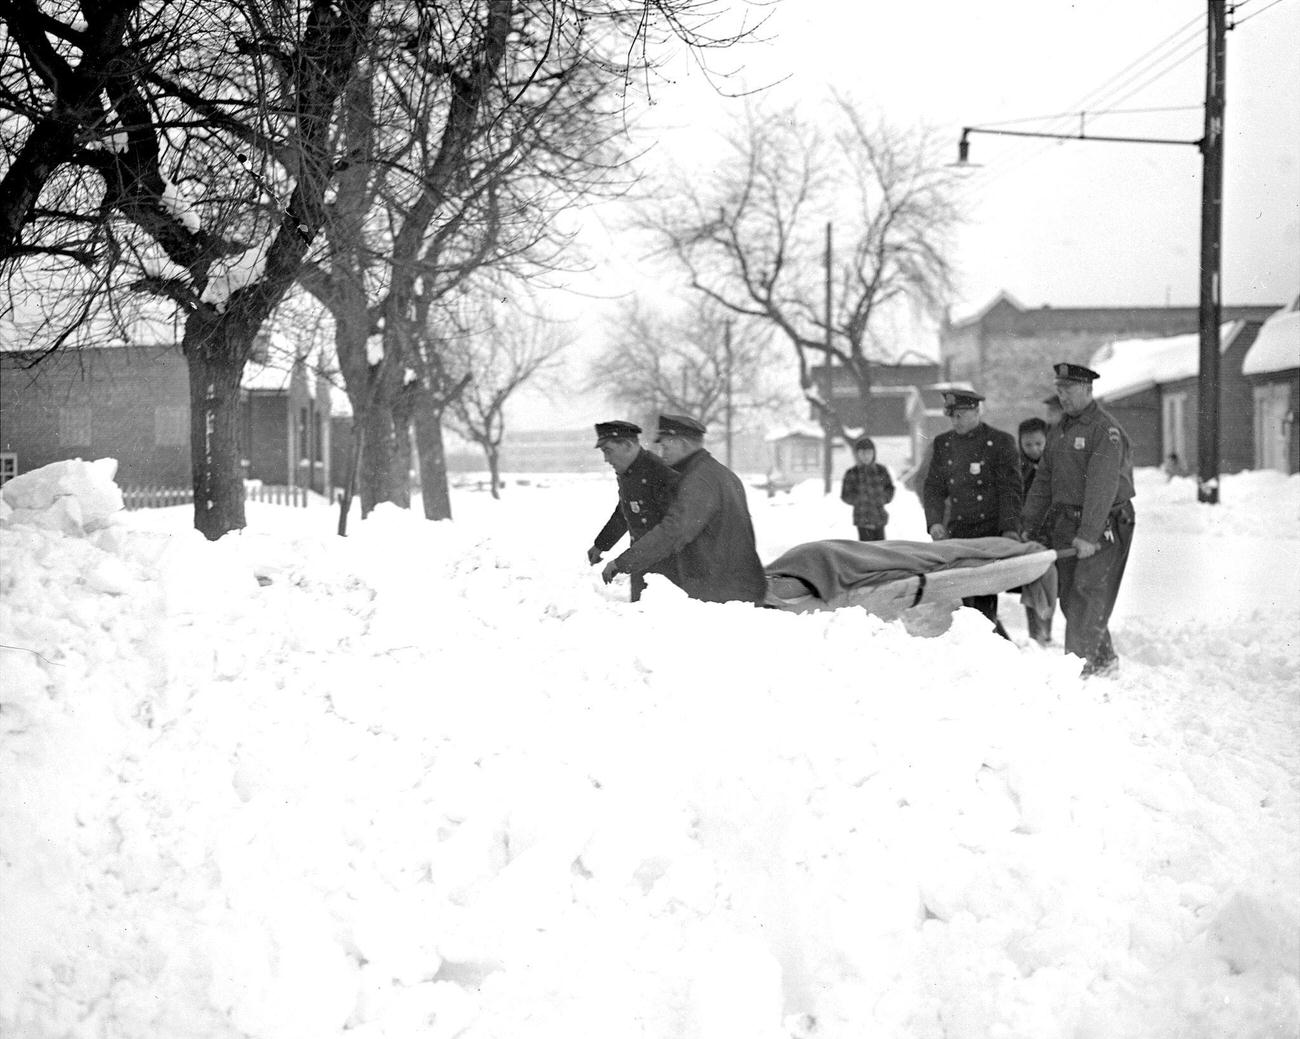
x=1207, y=425
x=828, y=388
x=1210, y=310
x=726, y=345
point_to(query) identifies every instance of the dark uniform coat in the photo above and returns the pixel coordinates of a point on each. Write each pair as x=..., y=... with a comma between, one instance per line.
x=709, y=530
x=1084, y=489
x=973, y=483
x=645, y=491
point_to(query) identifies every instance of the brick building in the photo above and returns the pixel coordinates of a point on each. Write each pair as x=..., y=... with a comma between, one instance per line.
x=132, y=403
x=1006, y=350
x=125, y=402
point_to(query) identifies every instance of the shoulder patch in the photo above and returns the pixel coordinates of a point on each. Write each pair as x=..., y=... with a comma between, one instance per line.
x=1113, y=434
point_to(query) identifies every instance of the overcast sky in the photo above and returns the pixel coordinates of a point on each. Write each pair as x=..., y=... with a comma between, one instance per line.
x=1061, y=223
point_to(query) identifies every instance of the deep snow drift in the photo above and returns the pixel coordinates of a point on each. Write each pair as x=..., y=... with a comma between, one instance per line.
x=436, y=780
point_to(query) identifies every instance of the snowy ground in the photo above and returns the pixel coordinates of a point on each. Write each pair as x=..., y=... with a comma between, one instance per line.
x=436, y=780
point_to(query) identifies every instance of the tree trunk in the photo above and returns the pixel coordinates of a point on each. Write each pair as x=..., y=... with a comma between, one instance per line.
x=215, y=425
x=433, y=461
x=403, y=407
x=494, y=470
x=380, y=461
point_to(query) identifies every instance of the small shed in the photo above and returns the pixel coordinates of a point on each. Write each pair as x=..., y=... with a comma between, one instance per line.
x=1272, y=367
x=1152, y=388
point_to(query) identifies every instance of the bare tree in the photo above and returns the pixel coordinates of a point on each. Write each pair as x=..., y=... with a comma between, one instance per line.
x=196, y=174
x=186, y=150
x=702, y=362
x=472, y=148
x=516, y=349
x=753, y=238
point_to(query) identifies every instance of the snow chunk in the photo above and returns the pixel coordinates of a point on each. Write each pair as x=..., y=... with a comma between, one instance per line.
x=73, y=496
x=179, y=206
x=232, y=273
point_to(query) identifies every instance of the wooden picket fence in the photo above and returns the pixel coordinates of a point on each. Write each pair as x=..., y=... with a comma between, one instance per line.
x=276, y=494
x=163, y=497
x=156, y=497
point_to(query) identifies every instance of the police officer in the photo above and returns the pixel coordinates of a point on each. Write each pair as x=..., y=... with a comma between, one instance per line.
x=972, y=488
x=646, y=488
x=707, y=528
x=1084, y=494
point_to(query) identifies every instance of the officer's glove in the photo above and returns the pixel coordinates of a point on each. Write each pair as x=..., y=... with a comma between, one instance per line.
x=593, y=555
x=611, y=568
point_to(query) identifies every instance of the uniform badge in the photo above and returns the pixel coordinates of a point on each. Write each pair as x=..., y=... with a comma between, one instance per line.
x=1079, y=443
x=1114, y=435
x=975, y=468
x=635, y=506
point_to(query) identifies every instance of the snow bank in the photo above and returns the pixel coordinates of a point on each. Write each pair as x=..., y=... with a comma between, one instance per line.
x=437, y=780
x=75, y=497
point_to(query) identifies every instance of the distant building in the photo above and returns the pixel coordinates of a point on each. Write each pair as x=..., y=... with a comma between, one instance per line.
x=1006, y=350
x=905, y=409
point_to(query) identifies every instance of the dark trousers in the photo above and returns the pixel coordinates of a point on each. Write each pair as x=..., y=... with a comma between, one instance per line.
x=987, y=605
x=871, y=533
x=1088, y=588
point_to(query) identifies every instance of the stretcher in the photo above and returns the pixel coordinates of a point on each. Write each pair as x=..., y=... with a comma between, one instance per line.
x=888, y=577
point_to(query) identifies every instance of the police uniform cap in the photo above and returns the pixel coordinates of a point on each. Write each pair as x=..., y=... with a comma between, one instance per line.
x=957, y=399
x=679, y=426
x=1066, y=372
x=617, y=430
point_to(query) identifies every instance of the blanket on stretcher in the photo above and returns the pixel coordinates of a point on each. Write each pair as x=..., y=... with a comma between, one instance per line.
x=882, y=575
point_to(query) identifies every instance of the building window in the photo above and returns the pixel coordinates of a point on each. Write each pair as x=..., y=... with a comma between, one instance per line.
x=8, y=466
x=74, y=427
x=170, y=426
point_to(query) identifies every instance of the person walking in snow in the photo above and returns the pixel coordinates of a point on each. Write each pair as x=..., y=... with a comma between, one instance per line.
x=646, y=488
x=707, y=528
x=972, y=486
x=1084, y=494
x=868, y=488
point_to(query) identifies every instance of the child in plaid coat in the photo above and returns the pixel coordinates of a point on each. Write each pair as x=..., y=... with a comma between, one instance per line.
x=868, y=488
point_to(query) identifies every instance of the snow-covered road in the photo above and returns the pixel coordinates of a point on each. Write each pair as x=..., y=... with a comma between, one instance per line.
x=436, y=780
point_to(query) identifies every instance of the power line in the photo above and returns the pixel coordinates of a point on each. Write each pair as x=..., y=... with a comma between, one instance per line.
x=1092, y=112
x=1194, y=52
x=1253, y=14
x=1171, y=44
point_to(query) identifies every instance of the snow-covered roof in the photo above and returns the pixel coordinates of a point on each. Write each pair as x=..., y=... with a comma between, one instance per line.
x=1277, y=347
x=1126, y=366
x=798, y=429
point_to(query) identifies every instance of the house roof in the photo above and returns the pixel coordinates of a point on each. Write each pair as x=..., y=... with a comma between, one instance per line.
x=1128, y=366
x=1118, y=321
x=1277, y=347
